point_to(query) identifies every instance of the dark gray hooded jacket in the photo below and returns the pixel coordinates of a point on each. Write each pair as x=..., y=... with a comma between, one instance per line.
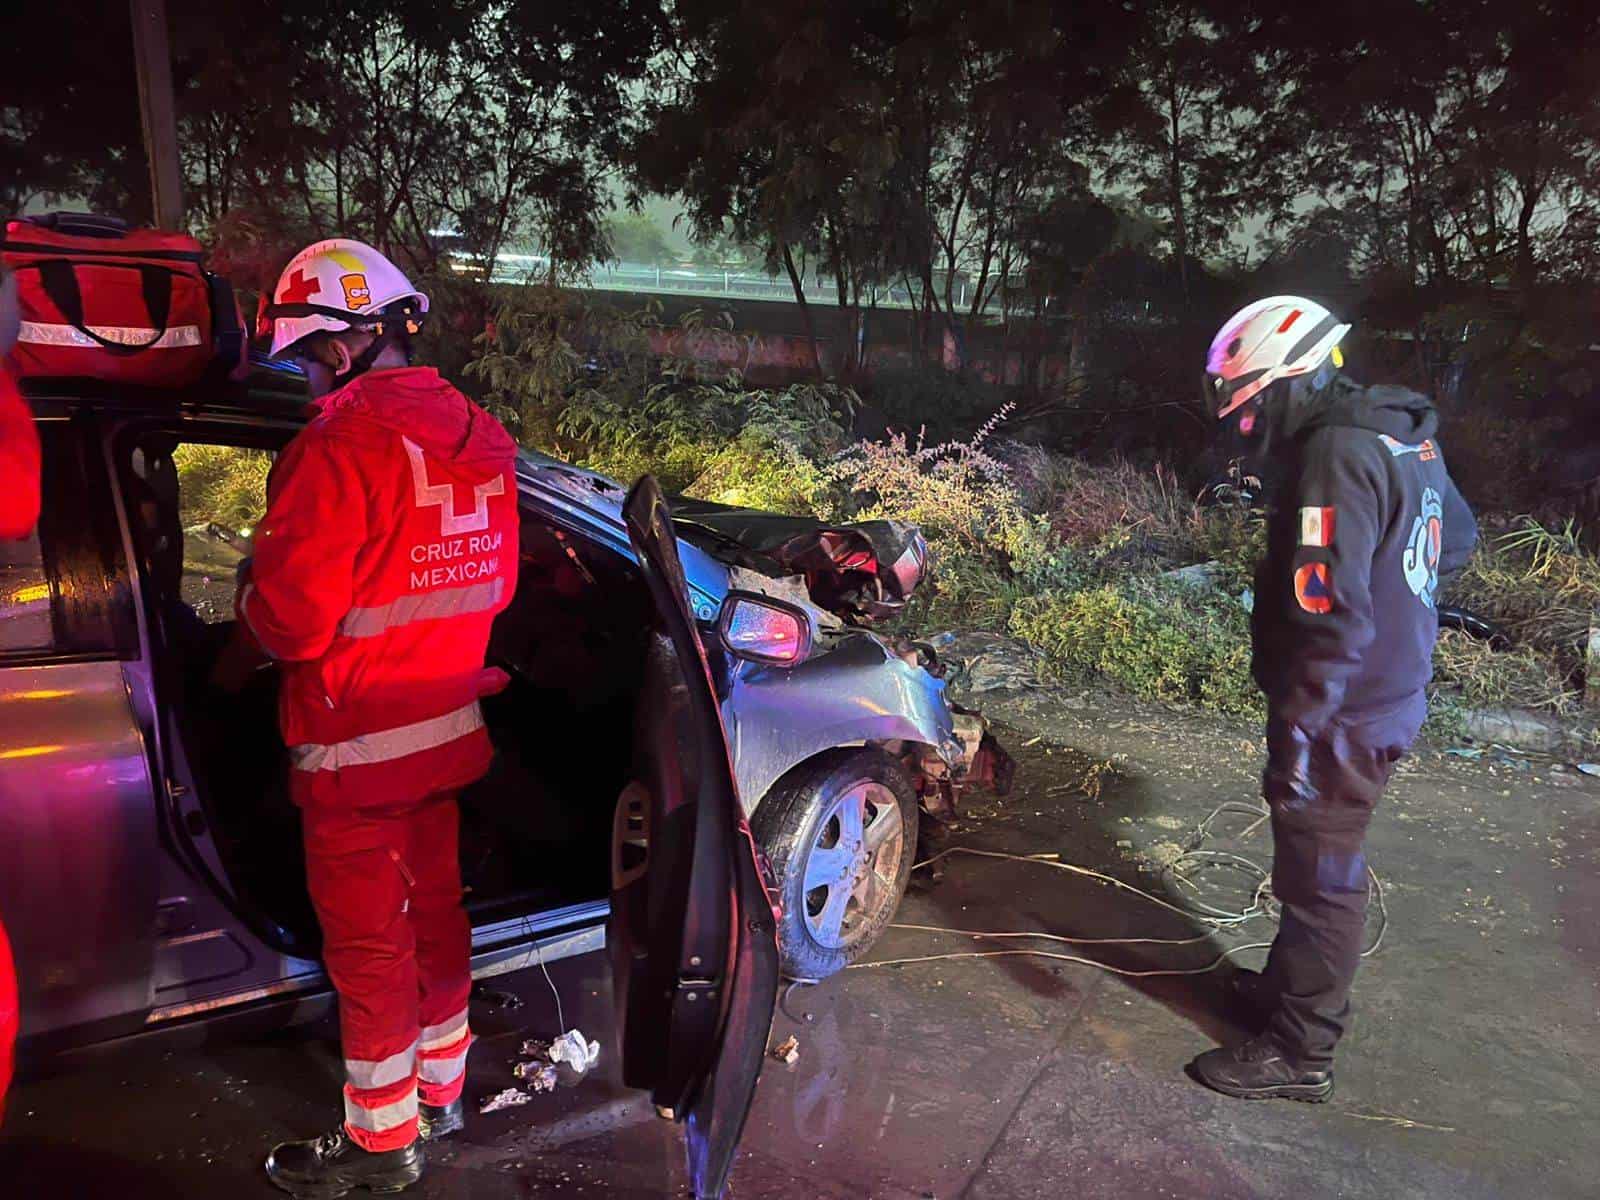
x=1364, y=523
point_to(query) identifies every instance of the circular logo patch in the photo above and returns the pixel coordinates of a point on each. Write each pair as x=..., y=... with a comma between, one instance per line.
x=1313, y=589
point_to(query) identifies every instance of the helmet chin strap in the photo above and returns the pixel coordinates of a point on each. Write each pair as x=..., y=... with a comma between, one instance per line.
x=362, y=363
x=391, y=332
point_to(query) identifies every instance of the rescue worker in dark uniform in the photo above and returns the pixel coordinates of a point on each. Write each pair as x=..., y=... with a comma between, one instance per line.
x=1363, y=523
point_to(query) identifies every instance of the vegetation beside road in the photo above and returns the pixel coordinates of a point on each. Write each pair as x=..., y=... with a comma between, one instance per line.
x=1074, y=556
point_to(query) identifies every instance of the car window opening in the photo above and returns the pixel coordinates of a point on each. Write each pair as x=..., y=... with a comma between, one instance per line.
x=535, y=831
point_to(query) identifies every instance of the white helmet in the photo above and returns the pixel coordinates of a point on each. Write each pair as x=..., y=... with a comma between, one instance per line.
x=340, y=284
x=1272, y=339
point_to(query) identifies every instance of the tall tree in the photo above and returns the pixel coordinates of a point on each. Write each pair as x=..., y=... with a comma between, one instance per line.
x=490, y=118
x=774, y=121
x=1181, y=128
x=69, y=110
x=1469, y=176
x=635, y=238
x=1476, y=159
x=884, y=141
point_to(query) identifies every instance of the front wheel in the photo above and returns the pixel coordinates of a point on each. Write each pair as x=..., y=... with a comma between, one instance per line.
x=840, y=831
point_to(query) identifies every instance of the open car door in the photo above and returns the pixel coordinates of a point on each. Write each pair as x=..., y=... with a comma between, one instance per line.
x=692, y=940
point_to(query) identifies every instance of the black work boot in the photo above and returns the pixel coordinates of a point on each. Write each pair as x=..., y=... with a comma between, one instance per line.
x=435, y=1121
x=324, y=1167
x=1258, y=1070
x=1251, y=1001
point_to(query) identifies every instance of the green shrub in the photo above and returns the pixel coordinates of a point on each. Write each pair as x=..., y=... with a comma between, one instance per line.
x=1160, y=640
x=1042, y=563
x=959, y=494
x=586, y=382
x=759, y=448
x=1480, y=675
x=1541, y=586
x=966, y=591
x=225, y=485
x=1446, y=722
x=1131, y=515
x=760, y=470
x=1234, y=539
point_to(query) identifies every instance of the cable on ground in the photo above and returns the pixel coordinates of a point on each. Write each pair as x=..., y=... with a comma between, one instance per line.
x=1262, y=905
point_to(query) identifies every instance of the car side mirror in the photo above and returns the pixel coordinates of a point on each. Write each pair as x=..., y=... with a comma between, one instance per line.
x=762, y=629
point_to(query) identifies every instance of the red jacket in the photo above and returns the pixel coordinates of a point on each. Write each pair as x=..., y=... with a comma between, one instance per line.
x=8, y=1018
x=388, y=546
x=19, y=463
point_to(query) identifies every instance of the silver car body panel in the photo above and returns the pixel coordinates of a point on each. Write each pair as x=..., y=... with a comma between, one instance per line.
x=496, y=950
x=851, y=691
x=79, y=887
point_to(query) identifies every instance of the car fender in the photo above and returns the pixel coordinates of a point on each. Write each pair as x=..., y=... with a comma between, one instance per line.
x=852, y=690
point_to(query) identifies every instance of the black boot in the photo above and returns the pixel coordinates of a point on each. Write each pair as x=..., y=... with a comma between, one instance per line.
x=328, y=1166
x=435, y=1121
x=1258, y=1070
x=1250, y=1000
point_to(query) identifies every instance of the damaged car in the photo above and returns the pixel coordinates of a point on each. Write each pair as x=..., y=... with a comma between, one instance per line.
x=150, y=862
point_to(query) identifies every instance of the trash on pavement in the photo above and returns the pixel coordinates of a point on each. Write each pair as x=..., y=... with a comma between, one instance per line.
x=787, y=1051
x=541, y=1077
x=510, y=1098
x=575, y=1050
x=539, y=1071
x=1589, y=768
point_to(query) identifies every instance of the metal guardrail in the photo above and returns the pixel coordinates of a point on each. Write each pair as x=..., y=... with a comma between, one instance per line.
x=516, y=268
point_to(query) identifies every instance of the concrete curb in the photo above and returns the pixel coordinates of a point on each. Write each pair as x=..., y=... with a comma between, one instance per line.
x=1519, y=728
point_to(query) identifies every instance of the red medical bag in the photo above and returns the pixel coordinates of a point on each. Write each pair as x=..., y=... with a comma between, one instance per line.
x=102, y=301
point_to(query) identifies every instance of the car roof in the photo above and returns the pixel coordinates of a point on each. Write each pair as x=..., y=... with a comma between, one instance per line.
x=276, y=391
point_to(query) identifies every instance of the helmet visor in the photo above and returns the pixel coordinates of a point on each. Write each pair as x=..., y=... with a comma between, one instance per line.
x=1218, y=393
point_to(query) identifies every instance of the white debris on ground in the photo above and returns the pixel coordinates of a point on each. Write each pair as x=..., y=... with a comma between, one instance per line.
x=510, y=1098
x=575, y=1050
x=787, y=1051
x=538, y=1070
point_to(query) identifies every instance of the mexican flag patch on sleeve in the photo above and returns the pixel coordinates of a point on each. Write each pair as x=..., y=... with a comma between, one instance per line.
x=1316, y=526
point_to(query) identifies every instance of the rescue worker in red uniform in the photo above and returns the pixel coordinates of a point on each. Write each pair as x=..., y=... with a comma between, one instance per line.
x=19, y=511
x=19, y=441
x=388, y=546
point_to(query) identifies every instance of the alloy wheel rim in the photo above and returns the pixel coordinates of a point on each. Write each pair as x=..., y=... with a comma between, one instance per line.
x=852, y=865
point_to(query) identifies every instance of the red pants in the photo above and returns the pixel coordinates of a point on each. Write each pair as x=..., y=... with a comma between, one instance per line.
x=386, y=883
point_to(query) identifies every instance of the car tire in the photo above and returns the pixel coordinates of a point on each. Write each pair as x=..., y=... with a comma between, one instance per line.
x=838, y=887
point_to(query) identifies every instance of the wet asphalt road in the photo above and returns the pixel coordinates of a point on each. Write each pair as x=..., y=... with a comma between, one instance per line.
x=1468, y=1074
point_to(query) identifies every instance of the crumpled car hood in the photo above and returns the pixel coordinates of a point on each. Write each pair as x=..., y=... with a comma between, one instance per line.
x=862, y=572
